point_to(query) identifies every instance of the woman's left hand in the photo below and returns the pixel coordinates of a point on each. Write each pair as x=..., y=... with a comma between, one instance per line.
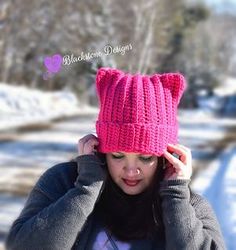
x=178, y=168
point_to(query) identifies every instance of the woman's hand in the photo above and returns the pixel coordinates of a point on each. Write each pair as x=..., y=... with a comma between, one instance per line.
x=178, y=168
x=90, y=167
x=87, y=145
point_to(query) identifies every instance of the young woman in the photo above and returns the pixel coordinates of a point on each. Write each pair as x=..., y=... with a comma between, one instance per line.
x=128, y=188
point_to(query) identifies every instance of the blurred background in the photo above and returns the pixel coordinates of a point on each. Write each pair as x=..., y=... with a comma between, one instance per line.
x=47, y=104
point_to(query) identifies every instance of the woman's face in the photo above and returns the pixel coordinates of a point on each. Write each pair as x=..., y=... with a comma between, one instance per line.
x=132, y=172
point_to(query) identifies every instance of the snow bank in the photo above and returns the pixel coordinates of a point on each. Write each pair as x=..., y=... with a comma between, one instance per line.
x=217, y=184
x=20, y=105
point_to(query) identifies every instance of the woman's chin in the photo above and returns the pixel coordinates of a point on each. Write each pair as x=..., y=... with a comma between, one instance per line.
x=129, y=192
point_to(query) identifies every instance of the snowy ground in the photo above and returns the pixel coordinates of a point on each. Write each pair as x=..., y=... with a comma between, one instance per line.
x=20, y=106
x=26, y=155
x=218, y=180
x=218, y=185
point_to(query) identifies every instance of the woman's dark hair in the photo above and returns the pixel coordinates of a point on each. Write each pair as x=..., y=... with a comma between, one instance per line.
x=130, y=217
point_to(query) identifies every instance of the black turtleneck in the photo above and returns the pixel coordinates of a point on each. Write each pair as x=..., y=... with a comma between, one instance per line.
x=126, y=216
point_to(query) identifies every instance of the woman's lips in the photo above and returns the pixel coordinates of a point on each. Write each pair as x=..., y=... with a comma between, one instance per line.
x=131, y=183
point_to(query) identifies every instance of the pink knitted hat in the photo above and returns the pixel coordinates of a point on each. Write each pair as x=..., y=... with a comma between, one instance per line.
x=138, y=113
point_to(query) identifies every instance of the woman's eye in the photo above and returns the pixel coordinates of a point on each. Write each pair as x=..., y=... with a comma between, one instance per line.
x=146, y=159
x=117, y=156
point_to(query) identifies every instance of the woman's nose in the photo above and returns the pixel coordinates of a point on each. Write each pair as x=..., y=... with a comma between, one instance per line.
x=131, y=171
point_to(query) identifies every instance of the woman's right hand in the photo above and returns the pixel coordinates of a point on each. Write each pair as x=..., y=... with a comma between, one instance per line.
x=90, y=168
x=87, y=172
x=87, y=145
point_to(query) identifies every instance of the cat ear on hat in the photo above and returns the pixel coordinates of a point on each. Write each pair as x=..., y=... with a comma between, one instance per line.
x=176, y=83
x=104, y=77
x=101, y=77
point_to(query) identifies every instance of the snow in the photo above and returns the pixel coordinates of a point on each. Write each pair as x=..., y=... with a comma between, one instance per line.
x=21, y=106
x=217, y=184
x=16, y=206
x=227, y=88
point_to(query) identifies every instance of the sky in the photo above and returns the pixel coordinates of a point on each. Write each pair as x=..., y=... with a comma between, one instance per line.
x=223, y=5
x=220, y=5
x=221, y=1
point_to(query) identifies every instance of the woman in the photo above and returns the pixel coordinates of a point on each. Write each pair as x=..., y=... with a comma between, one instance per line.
x=129, y=187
